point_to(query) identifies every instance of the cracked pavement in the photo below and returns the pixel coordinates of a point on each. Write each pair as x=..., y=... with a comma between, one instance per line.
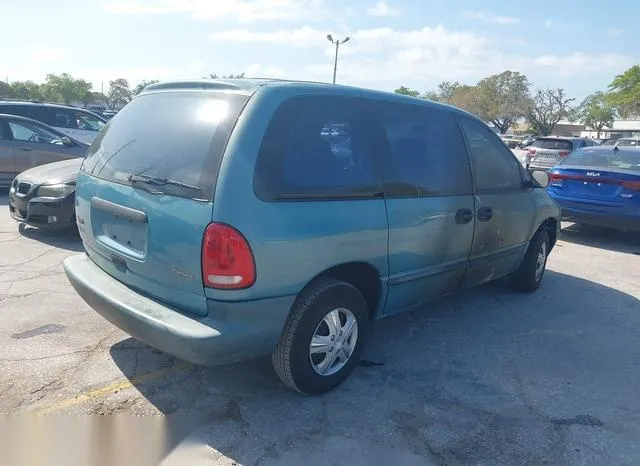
x=485, y=377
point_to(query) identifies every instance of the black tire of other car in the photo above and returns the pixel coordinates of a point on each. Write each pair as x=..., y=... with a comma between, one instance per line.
x=292, y=359
x=528, y=276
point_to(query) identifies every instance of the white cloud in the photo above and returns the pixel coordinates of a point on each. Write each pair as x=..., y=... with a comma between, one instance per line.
x=579, y=63
x=382, y=9
x=489, y=17
x=298, y=37
x=245, y=11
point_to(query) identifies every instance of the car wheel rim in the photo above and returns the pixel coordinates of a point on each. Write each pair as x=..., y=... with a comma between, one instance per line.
x=333, y=342
x=542, y=259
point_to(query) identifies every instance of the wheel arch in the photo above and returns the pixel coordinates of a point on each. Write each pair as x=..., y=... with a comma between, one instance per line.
x=361, y=275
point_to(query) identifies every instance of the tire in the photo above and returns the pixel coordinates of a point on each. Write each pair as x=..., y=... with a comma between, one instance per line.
x=292, y=359
x=528, y=277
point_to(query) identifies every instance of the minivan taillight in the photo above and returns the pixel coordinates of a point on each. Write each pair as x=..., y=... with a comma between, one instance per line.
x=227, y=260
x=563, y=153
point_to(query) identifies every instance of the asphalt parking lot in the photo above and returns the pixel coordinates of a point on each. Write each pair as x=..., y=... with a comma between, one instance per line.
x=485, y=377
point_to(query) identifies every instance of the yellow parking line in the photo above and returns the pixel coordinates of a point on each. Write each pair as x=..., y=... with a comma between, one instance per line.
x=113, y=388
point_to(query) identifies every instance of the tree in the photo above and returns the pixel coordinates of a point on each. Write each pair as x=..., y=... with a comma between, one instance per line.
x=407, y=91
x=624, y=93
x=229, y=76
x=466, y=98
x=140, y=87
x=503, y=98
x=5, y=90
x=546, y=109
x=65, y=88
x=27, y=90
x=595, y=112
x=444, y=93
x=119, y=93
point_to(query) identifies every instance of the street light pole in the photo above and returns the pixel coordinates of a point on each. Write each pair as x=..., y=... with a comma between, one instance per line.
x=337, y=43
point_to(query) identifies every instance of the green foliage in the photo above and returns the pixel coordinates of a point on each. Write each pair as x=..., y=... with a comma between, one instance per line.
x=27, y=90
x=65, y=88
x=119, y=93
x=548, y=107
x=624, y=93
x=595, y=112
x=503, y=98
x=407, y=91
x=466, y=98
x=140, y=87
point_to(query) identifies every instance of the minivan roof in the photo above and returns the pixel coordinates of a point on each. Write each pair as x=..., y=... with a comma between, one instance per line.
x=248, y=86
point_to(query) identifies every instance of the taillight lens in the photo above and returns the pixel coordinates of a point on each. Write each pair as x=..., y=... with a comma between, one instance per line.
x=532, y=151
x=634, y=185
x=563, y=153
x=227, y=260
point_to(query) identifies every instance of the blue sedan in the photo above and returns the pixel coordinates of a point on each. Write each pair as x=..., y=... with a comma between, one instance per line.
x=599, y=186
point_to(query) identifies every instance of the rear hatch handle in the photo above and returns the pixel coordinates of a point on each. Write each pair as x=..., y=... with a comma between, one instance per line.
x=119, y=210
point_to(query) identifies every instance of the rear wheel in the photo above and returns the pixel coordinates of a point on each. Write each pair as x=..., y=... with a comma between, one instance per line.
x=528, y=276
x=323, y=337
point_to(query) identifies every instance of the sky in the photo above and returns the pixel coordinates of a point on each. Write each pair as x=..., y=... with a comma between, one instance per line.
x=578, y=45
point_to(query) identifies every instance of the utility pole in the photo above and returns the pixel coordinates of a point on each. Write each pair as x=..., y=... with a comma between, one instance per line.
x=337, y=43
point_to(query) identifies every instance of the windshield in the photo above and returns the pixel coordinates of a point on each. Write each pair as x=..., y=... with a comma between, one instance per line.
x=556, y=144
x=177, y=136
x=612, y=159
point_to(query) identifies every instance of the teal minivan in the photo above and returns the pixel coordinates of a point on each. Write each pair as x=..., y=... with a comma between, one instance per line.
x=230, y=219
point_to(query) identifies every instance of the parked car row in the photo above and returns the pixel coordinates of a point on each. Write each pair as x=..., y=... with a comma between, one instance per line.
x=355, y=216
x=79, y=124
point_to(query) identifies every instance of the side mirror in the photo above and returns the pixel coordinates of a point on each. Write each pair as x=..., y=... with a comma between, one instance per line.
x=541, y=177
x=66, y=141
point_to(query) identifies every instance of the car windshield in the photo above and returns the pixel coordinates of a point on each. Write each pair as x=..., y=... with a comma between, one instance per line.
x=612, y=159
x=551, y=143
x=167, y=140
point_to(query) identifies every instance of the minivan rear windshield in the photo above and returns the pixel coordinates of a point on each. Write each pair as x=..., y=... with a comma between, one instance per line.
x=556, y=144
x=613, y=159
x=167, y=142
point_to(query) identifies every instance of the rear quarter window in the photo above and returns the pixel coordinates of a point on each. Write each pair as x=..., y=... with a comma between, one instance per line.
x=316, y=147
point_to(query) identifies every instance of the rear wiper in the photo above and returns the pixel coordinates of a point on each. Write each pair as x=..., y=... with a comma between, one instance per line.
x=159, y=181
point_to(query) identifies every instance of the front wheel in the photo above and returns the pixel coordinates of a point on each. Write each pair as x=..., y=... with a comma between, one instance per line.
x=528, y=276
x=323, y=337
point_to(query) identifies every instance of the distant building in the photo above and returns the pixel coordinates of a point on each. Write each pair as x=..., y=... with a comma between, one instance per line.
x=619, y=129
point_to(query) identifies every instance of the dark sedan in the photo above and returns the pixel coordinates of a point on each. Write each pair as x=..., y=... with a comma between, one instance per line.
x=599, y=186
x=44, y=196
x=26, y=143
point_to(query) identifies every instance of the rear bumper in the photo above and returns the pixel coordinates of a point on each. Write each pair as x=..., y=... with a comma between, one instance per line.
x=590, y=217
x=232, y=332
x=43, y=212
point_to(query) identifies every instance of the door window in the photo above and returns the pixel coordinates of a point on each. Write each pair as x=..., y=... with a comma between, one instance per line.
x=427, y=155
x=88, y=122
x=28, y=132
x=315, y=147
x=63, y=118
x=494, y=165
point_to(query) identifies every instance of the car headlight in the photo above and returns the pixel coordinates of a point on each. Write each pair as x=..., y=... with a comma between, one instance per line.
x=56, y=190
